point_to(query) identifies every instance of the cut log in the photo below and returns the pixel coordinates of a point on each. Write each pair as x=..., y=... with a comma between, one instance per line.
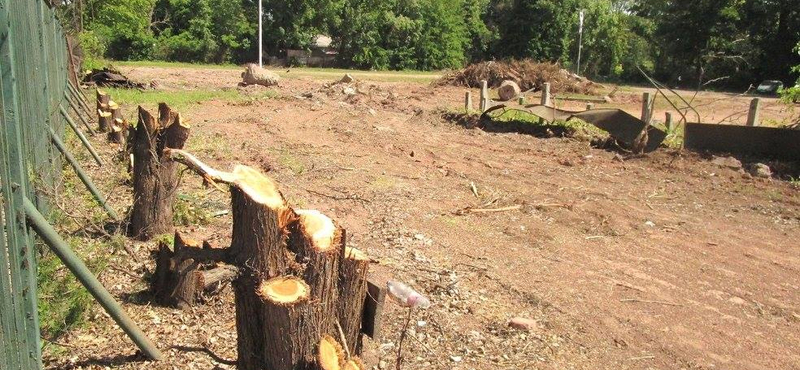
x=155, y=178
x=352, y=294
x=102, y=99
x=508, y=90
x=103, y=120
x=182, y=275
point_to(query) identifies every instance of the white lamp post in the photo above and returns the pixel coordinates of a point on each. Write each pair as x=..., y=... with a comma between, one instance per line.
x=260, y=41
x=580, y=41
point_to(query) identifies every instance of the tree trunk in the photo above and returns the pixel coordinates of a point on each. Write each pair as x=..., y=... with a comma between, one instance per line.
x=118, y=133
x=352, y=292
x=102, y=99
x=116, y=112
x=291, y=264
x=103, y=120
x=155, y=178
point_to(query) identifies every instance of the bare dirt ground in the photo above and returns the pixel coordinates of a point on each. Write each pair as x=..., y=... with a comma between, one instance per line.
x=665, y=261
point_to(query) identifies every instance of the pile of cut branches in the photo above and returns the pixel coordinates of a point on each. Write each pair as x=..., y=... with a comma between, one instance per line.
x=528, y=74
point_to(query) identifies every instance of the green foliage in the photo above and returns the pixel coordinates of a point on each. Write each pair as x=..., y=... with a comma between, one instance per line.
x=424, y=34
x=792, y=94
x=681, y=42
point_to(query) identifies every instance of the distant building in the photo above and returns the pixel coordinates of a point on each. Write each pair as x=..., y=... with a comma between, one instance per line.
x=320, y=55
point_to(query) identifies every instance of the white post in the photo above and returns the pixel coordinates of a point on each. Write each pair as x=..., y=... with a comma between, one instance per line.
x=580, y=43
x=260, y=35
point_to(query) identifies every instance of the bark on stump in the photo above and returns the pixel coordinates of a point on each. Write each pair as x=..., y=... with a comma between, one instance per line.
x=155, y=178
x=116, y=112
x=352, y=291
x=287, y=293
x=103, y=120
x=180, y=280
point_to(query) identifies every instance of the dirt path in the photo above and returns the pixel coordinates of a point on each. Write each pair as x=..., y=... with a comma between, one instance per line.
x=666, y=261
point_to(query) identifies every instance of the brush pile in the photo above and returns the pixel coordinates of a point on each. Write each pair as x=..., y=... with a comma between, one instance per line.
x=529, y=75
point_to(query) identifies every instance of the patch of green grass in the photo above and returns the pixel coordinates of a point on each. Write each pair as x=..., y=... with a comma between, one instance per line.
x=162, y=64
x=287, y=160
x=190, y=209
x=181, y=99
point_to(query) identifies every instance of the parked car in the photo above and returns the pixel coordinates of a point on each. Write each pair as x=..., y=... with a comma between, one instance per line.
x=769, y=87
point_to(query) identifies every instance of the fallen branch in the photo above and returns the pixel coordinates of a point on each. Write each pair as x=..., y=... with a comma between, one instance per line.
x=488, y=210
x=649, y=301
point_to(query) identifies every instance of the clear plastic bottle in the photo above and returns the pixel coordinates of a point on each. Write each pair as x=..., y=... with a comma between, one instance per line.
x=406, y=296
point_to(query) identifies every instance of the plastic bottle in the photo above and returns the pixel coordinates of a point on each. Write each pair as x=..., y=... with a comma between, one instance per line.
x=406, y=296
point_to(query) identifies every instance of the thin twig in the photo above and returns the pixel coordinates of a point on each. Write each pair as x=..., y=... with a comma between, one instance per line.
x=343, y=339
x=649, y=301
x=403, y=337
x=489, y=210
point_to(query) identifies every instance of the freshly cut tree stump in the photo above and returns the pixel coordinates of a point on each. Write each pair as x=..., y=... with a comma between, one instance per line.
x=155, y=179
x=116, y=112
x=118, y=132
x=291, y=265
x=354, y=364
x=318, y=247
x=352, y=291
x=103, y=120
x=180, y=278
x=102, y=100
x=329, y=354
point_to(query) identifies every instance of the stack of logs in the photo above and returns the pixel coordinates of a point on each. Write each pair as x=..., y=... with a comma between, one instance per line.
x=299, y=290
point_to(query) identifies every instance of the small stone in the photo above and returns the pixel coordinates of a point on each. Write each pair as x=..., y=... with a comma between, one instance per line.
x=382, y=364
x=455, y=358
x=760, y=170
x=650, y=224
x=728, y=162
x=522, y=323
x=348, y=78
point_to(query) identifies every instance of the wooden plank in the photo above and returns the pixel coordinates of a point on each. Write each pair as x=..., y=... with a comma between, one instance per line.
x=373, y=310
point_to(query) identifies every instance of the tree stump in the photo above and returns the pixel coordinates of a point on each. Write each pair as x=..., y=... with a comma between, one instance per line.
x=155, y=178
x=183, y=274
x=352, y=290
x=116, y=112
x=102, y=99
x=288, y=295
x=103, y=120
x=118, y=133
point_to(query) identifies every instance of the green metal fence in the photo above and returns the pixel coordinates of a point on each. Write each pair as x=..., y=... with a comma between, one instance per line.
x=33, y=67
x=36, y=100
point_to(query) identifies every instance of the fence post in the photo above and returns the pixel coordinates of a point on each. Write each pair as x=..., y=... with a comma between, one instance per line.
x=546, y=94
x=754, y=115
x=589, y=106
x=468, y=102
x=521, y=100
x=484, y=96
x=79, y=269
x=80, y=98
x=646, y=101
x=78, y=132
x=668, y=122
